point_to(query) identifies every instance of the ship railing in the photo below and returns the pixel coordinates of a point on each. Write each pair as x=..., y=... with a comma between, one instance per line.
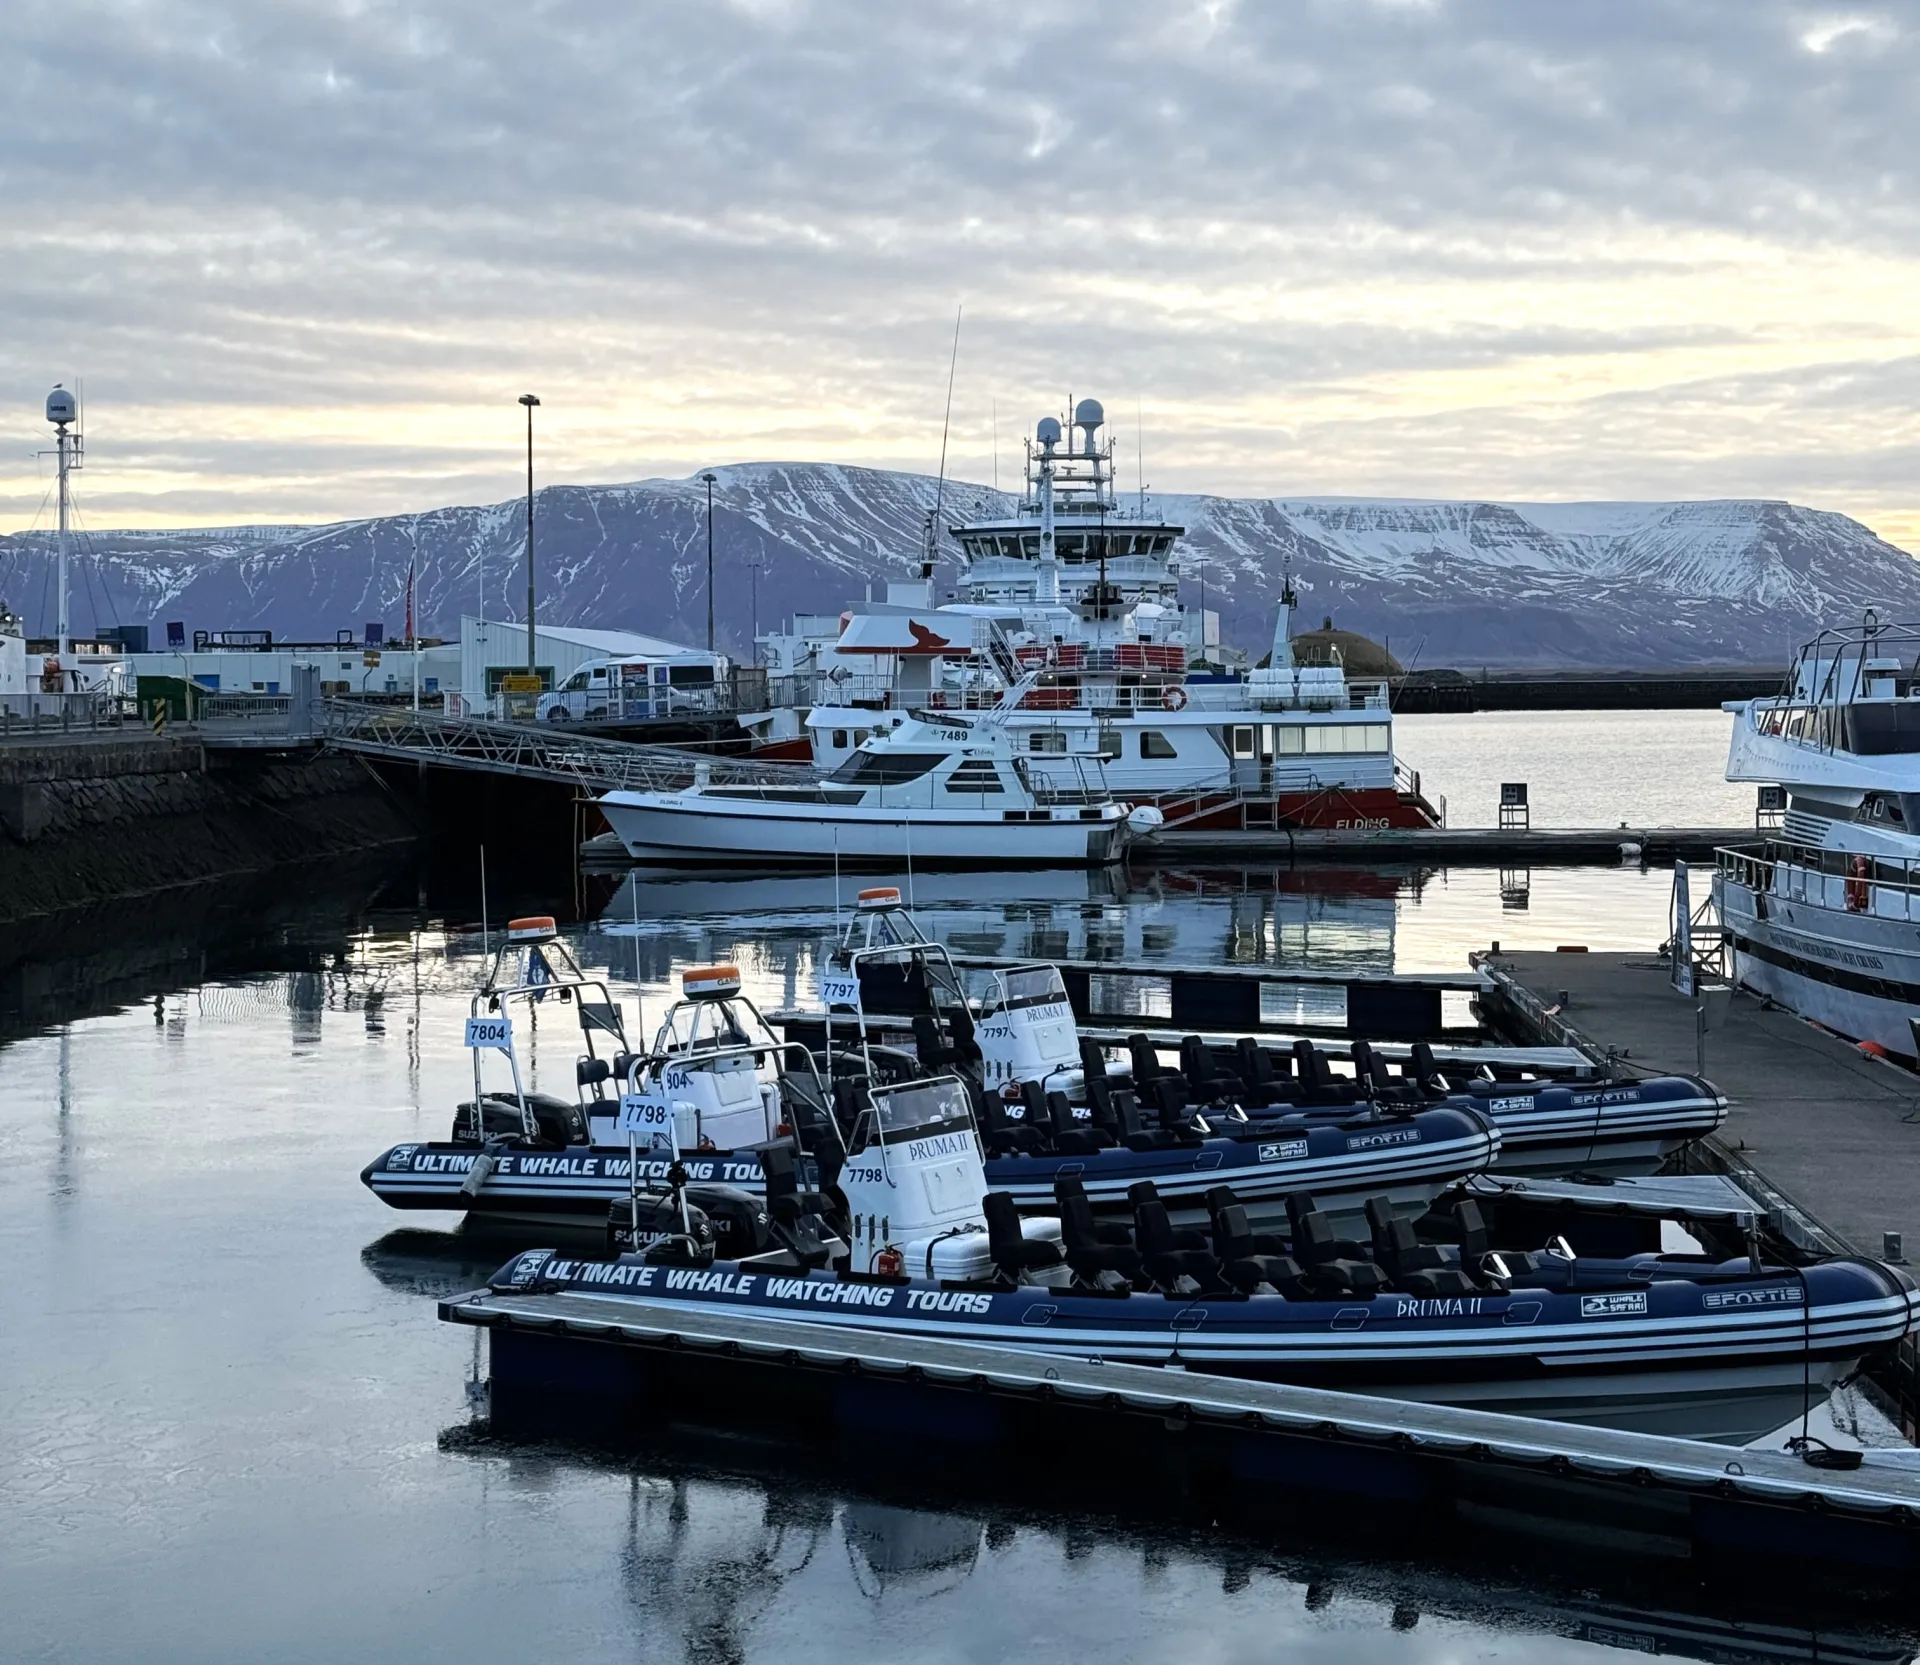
x=1788, y=871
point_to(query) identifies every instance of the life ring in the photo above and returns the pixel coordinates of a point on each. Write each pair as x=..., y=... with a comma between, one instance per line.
x=1857, y=895
x=1174, y=698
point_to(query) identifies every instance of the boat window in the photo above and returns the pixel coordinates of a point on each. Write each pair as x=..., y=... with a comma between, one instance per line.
x=922, y=1110
x=1038, y=985
x=1155, y=744
x=861, y=736
x=839, y=739
x=885, y=768
x=1109, y=747
x=1243, y=740
x=1046, y=740
x=976, y=774
x=1288, y=740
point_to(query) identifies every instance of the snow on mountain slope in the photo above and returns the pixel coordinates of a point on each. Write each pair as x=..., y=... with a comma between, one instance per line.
x=1451, y=583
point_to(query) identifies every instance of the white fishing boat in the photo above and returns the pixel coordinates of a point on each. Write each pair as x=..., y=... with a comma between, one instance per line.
x=1081, y=592
x=1824, y=916
x=917, y=789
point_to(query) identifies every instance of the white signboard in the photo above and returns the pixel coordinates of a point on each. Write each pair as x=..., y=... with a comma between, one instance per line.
x=839, y=988
x=646, y=1117
x=490, y=1031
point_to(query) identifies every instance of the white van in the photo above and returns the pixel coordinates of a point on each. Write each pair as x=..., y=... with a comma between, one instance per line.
x=634, y=687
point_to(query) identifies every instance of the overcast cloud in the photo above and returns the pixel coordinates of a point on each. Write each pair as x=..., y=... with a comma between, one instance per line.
x=306, y=255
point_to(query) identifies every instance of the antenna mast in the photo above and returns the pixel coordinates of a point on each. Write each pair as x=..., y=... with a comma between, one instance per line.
x=63, y=411
x=946, y=423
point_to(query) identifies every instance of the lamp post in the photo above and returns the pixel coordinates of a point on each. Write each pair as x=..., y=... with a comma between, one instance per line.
x=530, y=401
x=709, y=477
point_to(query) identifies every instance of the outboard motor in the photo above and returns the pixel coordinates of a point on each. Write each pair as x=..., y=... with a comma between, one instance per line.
x=650, y=1224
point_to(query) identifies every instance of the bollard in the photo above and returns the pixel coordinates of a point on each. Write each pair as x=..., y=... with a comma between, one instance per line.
x=1890, y=1247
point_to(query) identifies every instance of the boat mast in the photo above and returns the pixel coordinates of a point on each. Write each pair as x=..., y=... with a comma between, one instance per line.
x=1049, y=587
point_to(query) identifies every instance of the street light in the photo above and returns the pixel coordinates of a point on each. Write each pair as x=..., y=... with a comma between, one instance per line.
x=709, y=478
x=530, y=401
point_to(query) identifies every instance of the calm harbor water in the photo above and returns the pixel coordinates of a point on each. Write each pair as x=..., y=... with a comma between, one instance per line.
x=235, y=1430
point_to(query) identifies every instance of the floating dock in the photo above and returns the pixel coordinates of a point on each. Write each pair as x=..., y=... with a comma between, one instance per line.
x=1487, y=846
x=1251, y=1443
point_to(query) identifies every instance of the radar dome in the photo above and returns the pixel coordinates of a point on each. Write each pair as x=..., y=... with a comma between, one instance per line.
x=1089, y=413
x=61, y=406
x=1048, y=432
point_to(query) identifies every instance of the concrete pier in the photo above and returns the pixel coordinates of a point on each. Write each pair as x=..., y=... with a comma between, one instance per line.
x=1832, y=1130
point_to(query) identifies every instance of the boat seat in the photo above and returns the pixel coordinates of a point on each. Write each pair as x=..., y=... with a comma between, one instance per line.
x=1145, y=1191
x=1222, y=1197
x=1093, y=1061
x=1396, y=1247
x=1075, y=1133
x=1317, y=1083
x=966, y=1049
x=1424, y=1073
x=1100, y=1111
x=1261, y=1085
x=1168, y=1097
x=590, y=1072
x=1013, y=1253
x=1001, y=1131
x=1164, y=1256
x=1093, y=1246
x=1312, y=1233
x=1206, y=1081
x=1146, y=1062
x=1244, y=1265
x=933, y=1052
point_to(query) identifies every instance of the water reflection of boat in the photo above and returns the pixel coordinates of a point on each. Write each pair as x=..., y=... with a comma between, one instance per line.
x=1240, y=916
x=715, y=1532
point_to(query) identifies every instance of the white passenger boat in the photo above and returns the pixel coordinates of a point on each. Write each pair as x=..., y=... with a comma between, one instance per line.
x=918, y=790
x=1083, y=592
x=1823, y=916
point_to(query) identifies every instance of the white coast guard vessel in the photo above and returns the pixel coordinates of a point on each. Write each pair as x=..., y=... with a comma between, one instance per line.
x=1084, y=595
x=1824, y=916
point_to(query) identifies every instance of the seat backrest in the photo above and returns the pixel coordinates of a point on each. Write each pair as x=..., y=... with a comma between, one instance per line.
x=1256, y=1068
x=1420, y=1064
x=1146, y=1062
x=1077, y=1229
x=589, y=1072
x=1060, y=1116
x=1299, y=1206
x=1152, y=1230
x=1033, y=1100
x=1100, y=1102
x=1232, y=1235
x=1093, y=1058
x=1219, y=1197
x=960, y=1021
x=780, y=1172
x=1126, y=1111
x=1313, y=1238
x=1004, y=1236
x=926, y=1039
x=1169, y=1095
x=1196, y=1062
x=1474, y=1241
x=1380, y=1225
x=1142, y=1190
x=1363, y=1065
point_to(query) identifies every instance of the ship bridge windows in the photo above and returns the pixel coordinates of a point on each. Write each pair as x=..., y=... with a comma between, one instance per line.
x=886, y=768
x=1155, y=744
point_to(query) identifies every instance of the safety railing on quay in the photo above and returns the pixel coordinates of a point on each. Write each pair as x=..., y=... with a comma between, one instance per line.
x=23, y=716
x=540, y=752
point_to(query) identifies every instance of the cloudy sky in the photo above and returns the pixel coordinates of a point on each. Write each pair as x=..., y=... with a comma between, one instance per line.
x=306, y=255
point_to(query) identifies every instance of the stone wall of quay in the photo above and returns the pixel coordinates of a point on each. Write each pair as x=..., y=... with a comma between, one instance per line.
x=100, y=818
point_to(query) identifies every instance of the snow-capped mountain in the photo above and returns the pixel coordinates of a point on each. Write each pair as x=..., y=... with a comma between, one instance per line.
x=1450, y=584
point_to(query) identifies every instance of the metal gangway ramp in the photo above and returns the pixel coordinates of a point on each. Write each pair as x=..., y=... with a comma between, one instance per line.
x=533, y=752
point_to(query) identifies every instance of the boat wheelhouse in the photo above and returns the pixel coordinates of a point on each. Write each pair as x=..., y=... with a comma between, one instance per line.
x=1823, y=915
x=1081, y=593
